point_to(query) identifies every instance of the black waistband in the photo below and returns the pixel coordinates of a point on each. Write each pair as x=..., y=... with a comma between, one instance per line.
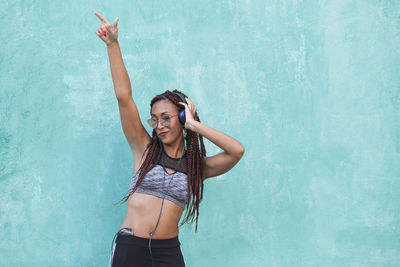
x=127, y=238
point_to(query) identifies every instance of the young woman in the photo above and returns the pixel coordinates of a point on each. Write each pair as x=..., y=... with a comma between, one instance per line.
x=168, y=175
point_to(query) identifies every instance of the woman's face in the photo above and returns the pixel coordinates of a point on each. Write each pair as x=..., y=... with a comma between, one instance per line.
x=165, y=108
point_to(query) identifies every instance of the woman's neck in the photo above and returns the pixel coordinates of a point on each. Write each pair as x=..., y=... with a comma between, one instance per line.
x=174, y=151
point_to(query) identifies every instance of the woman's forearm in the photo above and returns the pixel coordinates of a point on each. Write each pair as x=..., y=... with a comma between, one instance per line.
x=225, y=142
x=122, y=85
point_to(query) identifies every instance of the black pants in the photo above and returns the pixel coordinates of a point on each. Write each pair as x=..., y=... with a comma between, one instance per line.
x=134, y=251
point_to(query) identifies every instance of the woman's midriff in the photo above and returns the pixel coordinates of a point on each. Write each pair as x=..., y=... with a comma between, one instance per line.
x=143, y=212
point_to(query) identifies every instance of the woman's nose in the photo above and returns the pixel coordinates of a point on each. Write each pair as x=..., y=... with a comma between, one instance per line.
x=159, y=124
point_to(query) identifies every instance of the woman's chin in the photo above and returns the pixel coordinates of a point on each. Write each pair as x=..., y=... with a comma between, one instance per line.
x=168, y=140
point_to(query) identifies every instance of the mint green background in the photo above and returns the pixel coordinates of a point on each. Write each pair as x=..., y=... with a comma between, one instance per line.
x=310, y=88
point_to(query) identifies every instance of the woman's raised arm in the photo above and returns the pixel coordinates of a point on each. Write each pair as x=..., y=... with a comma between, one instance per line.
x=109, y=34
x=135, y=133
x=222, y=162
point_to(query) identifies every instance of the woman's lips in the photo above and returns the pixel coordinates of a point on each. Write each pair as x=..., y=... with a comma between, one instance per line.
x=163, y=134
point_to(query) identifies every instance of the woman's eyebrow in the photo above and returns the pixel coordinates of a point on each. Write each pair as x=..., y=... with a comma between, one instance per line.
x=165, y=112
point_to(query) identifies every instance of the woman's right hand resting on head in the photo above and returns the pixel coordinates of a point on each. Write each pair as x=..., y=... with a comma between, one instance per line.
x=107, y=32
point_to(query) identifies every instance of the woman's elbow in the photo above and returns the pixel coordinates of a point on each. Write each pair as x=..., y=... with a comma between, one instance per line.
x=240, y=153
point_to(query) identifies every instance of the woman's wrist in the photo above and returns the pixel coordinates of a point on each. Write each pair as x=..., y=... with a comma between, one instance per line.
x=192, y=125
x=113, y=44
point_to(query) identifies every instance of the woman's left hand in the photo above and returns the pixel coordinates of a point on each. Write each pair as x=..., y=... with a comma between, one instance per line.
x=190, y=111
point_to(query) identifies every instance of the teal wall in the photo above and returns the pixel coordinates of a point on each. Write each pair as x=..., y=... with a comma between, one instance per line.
x=310, y=88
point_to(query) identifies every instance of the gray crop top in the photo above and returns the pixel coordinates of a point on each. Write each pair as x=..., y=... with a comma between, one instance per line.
x=175, y=184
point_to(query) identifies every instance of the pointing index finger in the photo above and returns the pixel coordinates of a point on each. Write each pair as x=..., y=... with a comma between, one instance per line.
x=100, y=17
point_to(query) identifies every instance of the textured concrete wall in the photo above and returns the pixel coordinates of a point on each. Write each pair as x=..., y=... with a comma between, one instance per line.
x=310, y=88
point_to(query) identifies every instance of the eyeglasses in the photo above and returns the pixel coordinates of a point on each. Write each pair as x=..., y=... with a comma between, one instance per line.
x=164, y=121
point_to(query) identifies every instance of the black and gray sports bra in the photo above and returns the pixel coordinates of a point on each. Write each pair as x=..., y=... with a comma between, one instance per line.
x=175, y=184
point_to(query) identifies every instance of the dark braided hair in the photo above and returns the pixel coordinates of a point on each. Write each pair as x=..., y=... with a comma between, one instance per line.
x=195, y=156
